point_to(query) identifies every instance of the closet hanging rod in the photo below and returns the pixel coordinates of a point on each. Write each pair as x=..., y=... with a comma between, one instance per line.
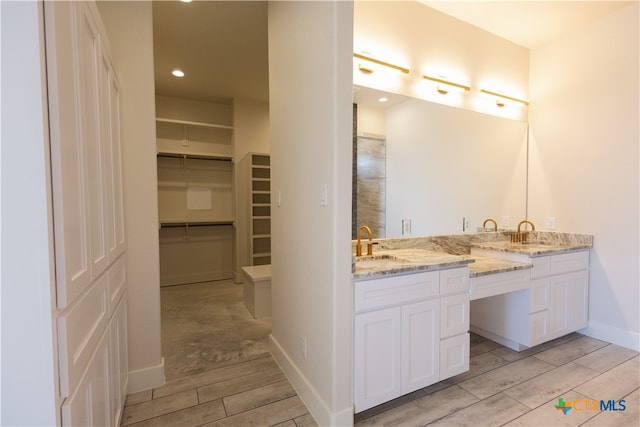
x=195, y=156
x=194, y=224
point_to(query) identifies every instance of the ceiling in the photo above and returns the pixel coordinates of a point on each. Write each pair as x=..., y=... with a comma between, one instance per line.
x=222, y=45
x=527, y=23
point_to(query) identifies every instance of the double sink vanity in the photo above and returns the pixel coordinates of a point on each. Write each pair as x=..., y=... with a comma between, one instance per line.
x=417, y=298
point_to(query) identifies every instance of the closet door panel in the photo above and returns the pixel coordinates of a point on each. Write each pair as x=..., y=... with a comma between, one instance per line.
x=110, y=126
x=68, y=153
x=89, y=115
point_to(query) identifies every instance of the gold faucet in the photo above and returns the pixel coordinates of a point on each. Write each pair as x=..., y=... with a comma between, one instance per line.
x=520, y=236
x=369, y=245
x=495, y=224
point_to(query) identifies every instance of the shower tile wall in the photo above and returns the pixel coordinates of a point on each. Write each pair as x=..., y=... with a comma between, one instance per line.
x=371, y=186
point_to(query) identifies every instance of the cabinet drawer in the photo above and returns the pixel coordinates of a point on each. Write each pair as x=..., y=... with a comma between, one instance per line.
x=396, y=290
x=499, y=283
x=540, y=267
x=572, y=261
x=539, y=291
x=454, y=280
x=454, y=356
x=538, y=328
x=454, y=315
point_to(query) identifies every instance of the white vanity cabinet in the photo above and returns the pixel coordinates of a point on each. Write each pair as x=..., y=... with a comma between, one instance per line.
x=555, y=303
x=410, y=331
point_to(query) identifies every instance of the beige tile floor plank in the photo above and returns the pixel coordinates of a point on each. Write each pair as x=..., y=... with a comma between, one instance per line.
x=189, y=417
x=271, y=414
x=306, y=420
x=288, y=423
x=424, y=410
x=606, y=358
x=551, y=384
x=615, y=383
x=494, y=411
x=139, y=397
x=547, y=415
x=492, y=382
x=512, y=355
x=258, y=396
x=563, y=353
x=480, y=364
x=156, y=407
x=215, y=375
x=479, y=345
x=242, y=383
x=630, y=417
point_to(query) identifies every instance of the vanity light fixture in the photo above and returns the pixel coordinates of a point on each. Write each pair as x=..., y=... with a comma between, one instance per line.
x=445, y=85
x=178, y=73
x=369, y=70
x=500, y=97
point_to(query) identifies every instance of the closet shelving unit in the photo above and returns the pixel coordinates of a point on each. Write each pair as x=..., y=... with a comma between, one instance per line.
x=253, y=211
x=260, y=224
x=195, y=190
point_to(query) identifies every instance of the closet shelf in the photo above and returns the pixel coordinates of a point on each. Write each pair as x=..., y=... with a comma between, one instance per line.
x=190, y=123
x=179, y=155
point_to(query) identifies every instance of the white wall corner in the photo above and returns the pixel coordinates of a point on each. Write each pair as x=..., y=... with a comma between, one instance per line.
x=309, y=395
x=622, y=337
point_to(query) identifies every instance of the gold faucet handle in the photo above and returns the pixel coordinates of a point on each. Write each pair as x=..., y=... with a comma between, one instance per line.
x=370, y=247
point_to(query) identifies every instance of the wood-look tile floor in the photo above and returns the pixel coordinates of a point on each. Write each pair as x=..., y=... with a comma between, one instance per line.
x=221, y=384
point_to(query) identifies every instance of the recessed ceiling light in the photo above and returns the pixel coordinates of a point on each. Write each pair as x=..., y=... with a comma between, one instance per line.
x=185, y=1
x=383, y=99
x=178, y=73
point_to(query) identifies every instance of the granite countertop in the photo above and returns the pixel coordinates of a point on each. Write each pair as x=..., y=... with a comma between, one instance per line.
x=484, y=266
x=532, y=248
x=403, y=261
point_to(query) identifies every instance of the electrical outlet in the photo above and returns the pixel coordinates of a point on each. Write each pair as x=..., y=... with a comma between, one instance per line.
x=406, y=227
x=505, y=221
x=303, y=347
x=465, y=223
x=551, y=223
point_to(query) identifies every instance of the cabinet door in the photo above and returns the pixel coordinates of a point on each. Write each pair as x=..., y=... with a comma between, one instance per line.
x=568, y=303
x=377, y=357
x=420, y=342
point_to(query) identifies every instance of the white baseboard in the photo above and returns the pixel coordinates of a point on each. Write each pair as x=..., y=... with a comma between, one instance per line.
x=318, y=408
x=617, y=336
x=146, y=378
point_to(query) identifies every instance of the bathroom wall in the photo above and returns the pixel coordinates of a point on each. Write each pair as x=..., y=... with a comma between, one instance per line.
x=310, y=48
x=584, y=159
x=429, y=42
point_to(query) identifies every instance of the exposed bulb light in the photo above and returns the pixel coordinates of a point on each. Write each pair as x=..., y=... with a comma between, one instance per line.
x=178, y=73
x=501, y=97
x=445, y=85
x=368, y=70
